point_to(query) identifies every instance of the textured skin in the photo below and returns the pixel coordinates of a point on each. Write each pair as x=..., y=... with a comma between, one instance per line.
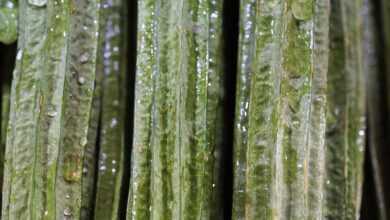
x=78, y=93
x=8, y=25
x=345, y=114
x=8, y=21
x=177, y=111
x=50, y=107
x=112, y=57
x=280, y=110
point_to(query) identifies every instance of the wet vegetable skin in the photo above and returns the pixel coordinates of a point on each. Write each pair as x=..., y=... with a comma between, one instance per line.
x=178, y=111
x=280, y=110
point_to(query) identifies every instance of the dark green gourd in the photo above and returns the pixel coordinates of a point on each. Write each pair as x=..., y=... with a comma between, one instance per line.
x=111, y=70
x=279, y=144
x=177, y=119
x=51, y=97
x=345, y=135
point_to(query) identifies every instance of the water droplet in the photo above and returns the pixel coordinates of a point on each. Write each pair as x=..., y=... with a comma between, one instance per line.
x=213, y=185
x=46, y=213
x=85, y=170
x=52, y=114
x=38, y=3
x=83, y=141
x=67, y=212
x=84, y=57
x=19, y=55
x=114, y=122
x=102, y=168
x=299, y=165
x=113, y=170
x=9, y=4
x=81, y=80
x=361, y=132
x=113, y=161
x=327, y=182
x=67, y=196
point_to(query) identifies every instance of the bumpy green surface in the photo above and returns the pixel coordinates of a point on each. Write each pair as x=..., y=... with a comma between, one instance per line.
x=177, y=111
x=280, y=110
x=112, y=67
x=346, y=113
x=8, y=21
x=51, y=98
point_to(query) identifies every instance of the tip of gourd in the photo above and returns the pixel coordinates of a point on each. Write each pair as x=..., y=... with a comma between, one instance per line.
x=8, y=25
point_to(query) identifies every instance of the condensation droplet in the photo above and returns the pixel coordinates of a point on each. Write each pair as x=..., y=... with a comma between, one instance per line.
x=67, y=212
x=113, y=170
x=81, y=80
x=19, y=55
x=83, y=141
x=52, y=114
x=84, y=57
x=114, y=122
x=37, y=3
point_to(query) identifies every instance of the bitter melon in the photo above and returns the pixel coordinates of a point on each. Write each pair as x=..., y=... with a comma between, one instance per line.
x=51, y=98
x=177, y=119
x=280, y=109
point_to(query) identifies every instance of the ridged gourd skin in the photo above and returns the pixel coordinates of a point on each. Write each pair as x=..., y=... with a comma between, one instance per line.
x=51, y=97
x=178, y=111
x=8, y=21
x=279, y=133
x=112, y=68
x=345, y=132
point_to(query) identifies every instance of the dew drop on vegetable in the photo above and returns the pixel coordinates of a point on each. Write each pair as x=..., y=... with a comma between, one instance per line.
x=37, y=3
x=19, y=55
x=67, y=212
x=52, y=114
x=83, y=141
x=114, y=122
x=9, y=4
x=81, y=80
x=84, y=57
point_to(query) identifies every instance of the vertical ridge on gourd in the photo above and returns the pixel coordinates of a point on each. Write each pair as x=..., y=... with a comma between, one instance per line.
x=345, y=114
x=280, y=110
x=177, y=110
x=111, y=147
x=89, y=174
x=20, y=197
x=77, y=103
x=256, y=105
